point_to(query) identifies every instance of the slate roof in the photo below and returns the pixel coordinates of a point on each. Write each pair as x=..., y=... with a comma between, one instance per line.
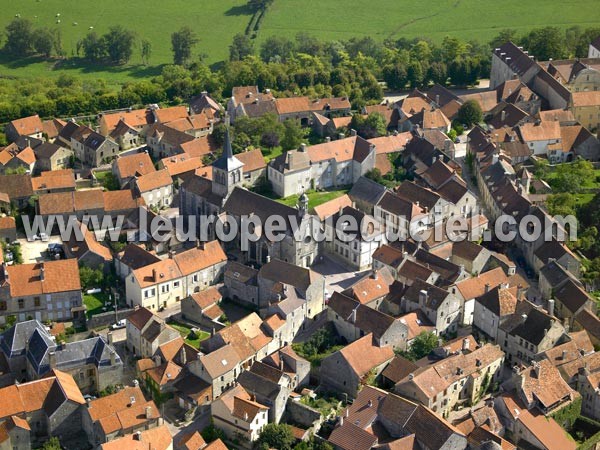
x=367, y=191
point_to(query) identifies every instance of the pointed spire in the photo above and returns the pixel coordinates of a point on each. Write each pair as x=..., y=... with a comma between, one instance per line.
x=227, y=151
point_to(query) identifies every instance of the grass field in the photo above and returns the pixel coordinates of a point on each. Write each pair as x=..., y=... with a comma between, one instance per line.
x=184, y=330
x=95, y=302
x=468, y=19
x=216, y=22
x=314, y=198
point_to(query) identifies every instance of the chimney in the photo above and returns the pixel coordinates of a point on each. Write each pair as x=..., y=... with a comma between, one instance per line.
x=137, y=436
x=487, y=287
x=353, y=132
x=268, y=259
x=113, y=358
x=341, y=136
x=465, y=344
x=370, y=403
x=183, y=355
x=109, y=337
x=52, y=359
x=154, y=275
x=437, y=99
x=302, y=147
x=520, y=292
x=212, y=331
x=327, y=139
x=281, y=364
x=564, y=355
x=245, y=416
x=503, y=115
x=148, y=411
x=341, y=421
x=353, y=316
x=347, y=412
x=551, y=306
x=42, y=272
x=374, y=274
x=536, y=369
x=422, y=297
x=5, y=270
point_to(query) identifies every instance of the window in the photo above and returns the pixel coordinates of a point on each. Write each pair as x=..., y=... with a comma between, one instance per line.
x=165, y=289
x=36, y=302
x=176, y=284
x=21, y=303
x=2, y=306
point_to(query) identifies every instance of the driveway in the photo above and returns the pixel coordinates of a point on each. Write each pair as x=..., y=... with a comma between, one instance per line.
x=37, y=251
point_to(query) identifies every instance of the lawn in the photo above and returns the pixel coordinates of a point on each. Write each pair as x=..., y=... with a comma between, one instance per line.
x=215, y=23
x=95, y=302
x=469, y=19
x=314, y=198
x=184, y=330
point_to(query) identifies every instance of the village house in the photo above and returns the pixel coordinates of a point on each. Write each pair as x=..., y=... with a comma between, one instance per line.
x=156, y=188
x=203, y=308
x=348, y=369
x=16, y=160
x=51, y=406
x=116, y=415
x=441, y=307
x=52, y=157
x=400, y=216
x=138, y=119
x=164, y=141
x=146, y=332
x=527, y=332
x=158, y=438
x=239, y=416
x=168, y=281
x=45, y=291
x=219, y=368
x=456, y=380
x=331, y=164
x=93, y=149
x=204, y=103
x=353, y=320
x=8, y=229
x=126, y=168
x=531, y=427
x=353, y=246
x=269, y=386
x=31, y=126
x=245, y=99
x=492, y=307
x=126, y=136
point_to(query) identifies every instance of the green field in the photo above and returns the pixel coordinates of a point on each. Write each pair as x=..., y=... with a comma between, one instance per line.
x=479, y=20
x=216, y=22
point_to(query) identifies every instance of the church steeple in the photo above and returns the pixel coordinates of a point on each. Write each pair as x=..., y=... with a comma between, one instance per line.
x=227, y=170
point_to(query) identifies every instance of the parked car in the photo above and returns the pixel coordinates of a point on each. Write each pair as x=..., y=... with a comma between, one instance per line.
x=120, y=324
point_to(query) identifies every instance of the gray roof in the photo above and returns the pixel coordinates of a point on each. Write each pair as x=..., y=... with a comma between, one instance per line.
x=256, y=384
x=242, y=202
x=366, y=190
x=14, y=340
x=88, y=351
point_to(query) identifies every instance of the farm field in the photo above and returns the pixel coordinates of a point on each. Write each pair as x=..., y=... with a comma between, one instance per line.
x=216, y=22
x=479, y=20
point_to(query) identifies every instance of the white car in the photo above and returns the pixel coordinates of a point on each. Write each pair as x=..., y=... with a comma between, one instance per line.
x=120, y=324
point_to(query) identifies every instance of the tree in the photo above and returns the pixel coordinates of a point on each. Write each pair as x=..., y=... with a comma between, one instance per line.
x=470, y=113
x=119, y=44
x=19, y=33
x=506, y=35
x=395, y=76
x=43, y=41
x=90, y=278
x=146, y=51
x=182, y=42
x=241, y=47
x=546, y=43
x=52, y=444
x=293, y=134
x=276, y=48
x=423, y=344
x=372, y=126
x=269, y=139
x=93, y=47
x=279, y=436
